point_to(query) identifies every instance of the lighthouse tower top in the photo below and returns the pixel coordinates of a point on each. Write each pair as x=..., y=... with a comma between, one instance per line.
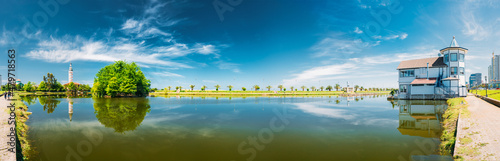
x=70, y=73
x=454, y=43
x=454, y=46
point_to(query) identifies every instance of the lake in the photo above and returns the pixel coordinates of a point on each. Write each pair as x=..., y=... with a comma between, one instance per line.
x=252, y=128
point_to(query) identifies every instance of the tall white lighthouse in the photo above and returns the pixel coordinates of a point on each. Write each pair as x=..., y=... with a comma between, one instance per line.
x=70, y=73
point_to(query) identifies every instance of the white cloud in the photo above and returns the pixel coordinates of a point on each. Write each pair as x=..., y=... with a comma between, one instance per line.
x=149, y=24
x=166, y=74
x=360, y=67
x=337, y=45
x=228, y=66
x=471, y=24
x=206, y=49
x=136, y=45
x=358, y=31
x=74, y=49
x=401, y=36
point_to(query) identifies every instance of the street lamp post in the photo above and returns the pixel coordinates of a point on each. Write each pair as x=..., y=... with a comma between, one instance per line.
x=486, y=82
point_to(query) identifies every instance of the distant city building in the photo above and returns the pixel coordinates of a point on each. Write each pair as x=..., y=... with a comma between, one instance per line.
x=348, y=89
x=494, y=71
x=434, y=78
x=475, y=80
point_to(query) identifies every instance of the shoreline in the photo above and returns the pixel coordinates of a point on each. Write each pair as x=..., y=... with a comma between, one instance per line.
x=265, y=94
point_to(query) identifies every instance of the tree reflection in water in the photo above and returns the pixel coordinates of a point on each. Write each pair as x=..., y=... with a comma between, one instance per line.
x=121, y=114
x=49, y=104
x=29, y=100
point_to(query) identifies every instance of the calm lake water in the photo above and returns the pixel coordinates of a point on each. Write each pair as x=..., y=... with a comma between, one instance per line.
x=225, y=129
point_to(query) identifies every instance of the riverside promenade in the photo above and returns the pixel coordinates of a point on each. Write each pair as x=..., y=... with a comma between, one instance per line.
x=478, y=131
x=5, y=154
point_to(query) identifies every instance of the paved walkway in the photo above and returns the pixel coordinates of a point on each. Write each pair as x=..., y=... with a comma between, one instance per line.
x=5, y=155
x=478, y=136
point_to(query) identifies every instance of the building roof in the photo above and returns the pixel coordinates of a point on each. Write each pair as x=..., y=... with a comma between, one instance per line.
x=450, y=78
x=454, y=46
x=434, y=62
x=424, y=81
x=73, y=83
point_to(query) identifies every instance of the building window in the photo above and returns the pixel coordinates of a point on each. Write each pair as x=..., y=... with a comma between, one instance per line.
x=462, y=71
x=416, y=85
x=453, y=57
x=402, y=88
x=462, y=57
x=407, y=73
x=454, y=71
x=446, y=58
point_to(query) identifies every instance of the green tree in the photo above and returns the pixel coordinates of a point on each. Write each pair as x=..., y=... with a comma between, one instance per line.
x=81, y=87
x=203, y=88
x=58, y=87
x=19, y=86
x=243, y=88
x=361, y=88
x=256, y=87
x=313, y=88
x=50, y=81
x=321, y=88
x=28, y=87
x=356, y=87
x=291, y=88
x=121, y=78
x=72, y=87
x=42, y=86
x=337, y=87
x=303, y=87
x=269, y=88
x=217, y=87
x=329, y=88
x=280, y=87
x=230, y=87
x=192, y=87
x=169, y=87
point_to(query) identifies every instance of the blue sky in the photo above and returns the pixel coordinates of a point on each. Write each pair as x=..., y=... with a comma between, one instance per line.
x=253, y=42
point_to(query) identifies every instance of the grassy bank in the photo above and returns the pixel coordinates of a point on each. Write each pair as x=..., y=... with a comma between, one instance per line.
x=39, y=93
x=22, y=116
x=263, y=93
x=495, y=94
x=456, y=107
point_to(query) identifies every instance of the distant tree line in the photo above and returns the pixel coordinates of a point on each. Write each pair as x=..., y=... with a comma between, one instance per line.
x=336, y=87
x=49, y=84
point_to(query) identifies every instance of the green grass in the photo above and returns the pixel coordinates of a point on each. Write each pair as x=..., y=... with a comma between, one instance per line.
x=495, y=94
x=22, y=116
x=455, y=107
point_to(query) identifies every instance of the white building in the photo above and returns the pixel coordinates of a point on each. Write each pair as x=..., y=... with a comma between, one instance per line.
x=434, y=78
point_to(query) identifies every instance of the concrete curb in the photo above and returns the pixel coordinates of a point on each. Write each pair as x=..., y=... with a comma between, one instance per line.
x=489, y=100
